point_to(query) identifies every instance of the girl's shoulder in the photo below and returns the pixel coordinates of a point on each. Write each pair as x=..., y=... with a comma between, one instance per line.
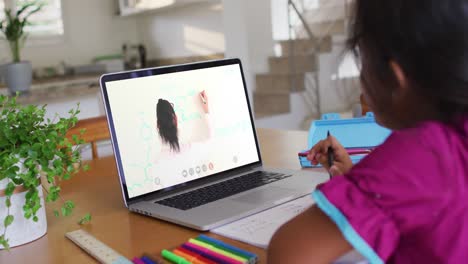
x=431, y=149
x=433, y=135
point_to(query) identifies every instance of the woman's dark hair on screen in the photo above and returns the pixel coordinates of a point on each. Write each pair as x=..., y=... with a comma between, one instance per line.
x=428, y=39
x=167, y=126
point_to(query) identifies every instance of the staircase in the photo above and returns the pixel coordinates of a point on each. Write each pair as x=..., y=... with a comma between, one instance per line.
x=295, y=72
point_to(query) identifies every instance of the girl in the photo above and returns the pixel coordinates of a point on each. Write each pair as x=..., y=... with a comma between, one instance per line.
x=406, y=202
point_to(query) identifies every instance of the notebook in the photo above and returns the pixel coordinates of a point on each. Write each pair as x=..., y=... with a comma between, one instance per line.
x=258, y=229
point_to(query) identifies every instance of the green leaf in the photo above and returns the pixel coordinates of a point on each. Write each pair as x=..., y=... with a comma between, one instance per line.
x=65, y=211
x=86, y=167
x=8, y=202
x=69, y=204
x=85, y=219
x=8, y=220
x=10, y=189
x=35, y=219
x=53, y=194
x=56, y=213
x=67, y=208
x=32, y=154
x=37, y=146
x=4, y=242
x=57, y=163
x=27, y=213
x=67, y=176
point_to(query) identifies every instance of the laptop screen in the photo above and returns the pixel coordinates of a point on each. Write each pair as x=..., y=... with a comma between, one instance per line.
x=176, y=127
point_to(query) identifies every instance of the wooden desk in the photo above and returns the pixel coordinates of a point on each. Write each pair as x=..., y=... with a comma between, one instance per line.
x=98, y=191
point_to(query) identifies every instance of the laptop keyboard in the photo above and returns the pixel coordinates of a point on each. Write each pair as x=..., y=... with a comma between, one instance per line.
x=211, y=193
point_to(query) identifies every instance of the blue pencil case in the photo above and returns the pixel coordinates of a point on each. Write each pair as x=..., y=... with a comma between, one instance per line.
x=352, y=133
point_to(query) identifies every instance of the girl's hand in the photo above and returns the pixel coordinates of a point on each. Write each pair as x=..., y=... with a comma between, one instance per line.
x=318, y=154
x=204, y=100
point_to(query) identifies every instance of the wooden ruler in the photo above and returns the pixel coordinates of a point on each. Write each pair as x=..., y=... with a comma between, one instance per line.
x=96, y=248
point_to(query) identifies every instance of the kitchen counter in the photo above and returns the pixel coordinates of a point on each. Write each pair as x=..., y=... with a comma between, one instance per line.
x=58, y=88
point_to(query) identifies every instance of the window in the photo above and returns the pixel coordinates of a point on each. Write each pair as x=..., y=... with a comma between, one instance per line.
x=46, y=22
x=2, y=8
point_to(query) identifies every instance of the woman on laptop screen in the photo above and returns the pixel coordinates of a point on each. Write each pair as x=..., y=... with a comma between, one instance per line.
x=167, y=122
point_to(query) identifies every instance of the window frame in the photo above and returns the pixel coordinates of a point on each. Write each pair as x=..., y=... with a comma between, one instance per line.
x=37, y=40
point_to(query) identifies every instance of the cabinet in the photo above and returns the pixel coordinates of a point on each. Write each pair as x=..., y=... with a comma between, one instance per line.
x=131, y=7
x=90, y=106
x=61, y=94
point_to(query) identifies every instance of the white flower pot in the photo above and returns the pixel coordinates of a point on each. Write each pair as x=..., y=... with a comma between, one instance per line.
x=18, y=77
x=22, y=230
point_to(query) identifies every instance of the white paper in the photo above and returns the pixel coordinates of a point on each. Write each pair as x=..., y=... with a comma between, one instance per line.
x=258, y=229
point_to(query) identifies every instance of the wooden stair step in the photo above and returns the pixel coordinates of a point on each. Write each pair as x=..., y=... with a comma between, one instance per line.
x=324, y=29
x=271, y=104
x=327, y=13
x=328, y=3
x=302, y=64
x=306, y=46
x=279, y=83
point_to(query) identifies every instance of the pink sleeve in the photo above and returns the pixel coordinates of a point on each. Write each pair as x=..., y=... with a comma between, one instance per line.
x=383, y=196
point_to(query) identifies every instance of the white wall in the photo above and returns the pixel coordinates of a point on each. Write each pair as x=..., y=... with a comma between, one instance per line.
x=339, y=79
x=91, y=27
x=248, y=33
x=294, y=120
x=192, y=30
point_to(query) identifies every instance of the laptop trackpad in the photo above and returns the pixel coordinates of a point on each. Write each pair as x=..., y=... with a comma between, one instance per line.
x=269, y=194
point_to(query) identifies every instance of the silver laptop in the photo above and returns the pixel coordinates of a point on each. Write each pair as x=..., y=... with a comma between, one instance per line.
x=186, y=148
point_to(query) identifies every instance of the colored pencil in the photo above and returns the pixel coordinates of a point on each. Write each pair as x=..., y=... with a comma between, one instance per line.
x=227, y=247
x=218, y=258
x=195, y=255
x=136, y=260
x=148, y=260
x=173, y=258
x=219, y=251
x=188, y=257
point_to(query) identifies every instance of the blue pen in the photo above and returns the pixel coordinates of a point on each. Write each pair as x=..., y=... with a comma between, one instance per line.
x=233, y=248
x=147, y=260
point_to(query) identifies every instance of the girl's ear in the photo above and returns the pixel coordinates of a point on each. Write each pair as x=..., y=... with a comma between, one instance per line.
x=402, y=81
x=399, y=74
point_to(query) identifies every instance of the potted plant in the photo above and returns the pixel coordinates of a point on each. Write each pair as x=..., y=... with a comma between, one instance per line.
x=30, y=145
x=18, y=74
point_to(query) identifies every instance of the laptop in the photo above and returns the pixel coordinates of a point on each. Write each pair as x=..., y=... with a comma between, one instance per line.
x=186, y=148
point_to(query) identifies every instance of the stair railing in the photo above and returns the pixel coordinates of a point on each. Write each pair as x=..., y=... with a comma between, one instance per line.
x=318, y=42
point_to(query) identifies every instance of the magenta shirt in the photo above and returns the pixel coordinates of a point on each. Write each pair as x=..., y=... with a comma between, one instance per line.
x=407, y=202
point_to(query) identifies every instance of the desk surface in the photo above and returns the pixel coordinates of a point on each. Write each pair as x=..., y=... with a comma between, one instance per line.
x=98, y=191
